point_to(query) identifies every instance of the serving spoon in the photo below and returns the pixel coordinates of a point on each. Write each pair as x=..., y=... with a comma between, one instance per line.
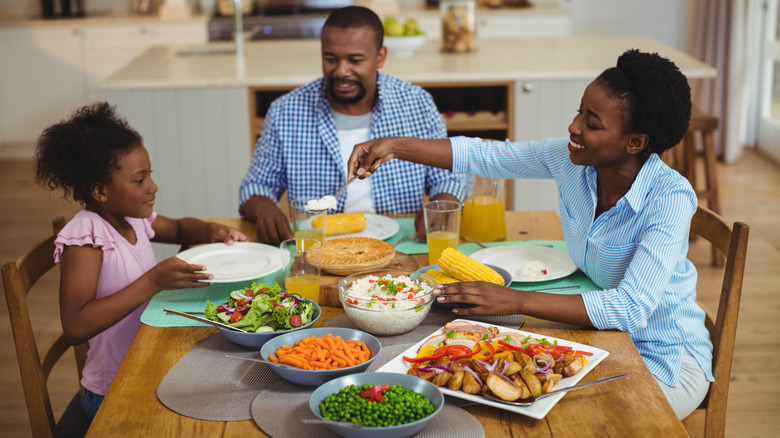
x=252, y=359
x=555, y=392
x=206, y=321
x=344, y=187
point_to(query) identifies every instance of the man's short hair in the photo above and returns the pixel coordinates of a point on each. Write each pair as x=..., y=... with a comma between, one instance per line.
x=355, y=17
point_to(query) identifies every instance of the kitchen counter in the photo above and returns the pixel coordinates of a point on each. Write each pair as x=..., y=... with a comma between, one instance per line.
x=268, y=63
x=200, y=114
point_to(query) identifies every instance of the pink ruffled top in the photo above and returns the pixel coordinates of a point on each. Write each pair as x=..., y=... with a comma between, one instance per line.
x=122, y=264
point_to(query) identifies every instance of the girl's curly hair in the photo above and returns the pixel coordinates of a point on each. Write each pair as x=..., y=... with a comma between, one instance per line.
x=82, y=152
x=657, y=97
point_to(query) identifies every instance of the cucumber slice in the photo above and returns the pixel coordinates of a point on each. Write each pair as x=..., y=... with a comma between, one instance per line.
x=264, y=329
x=235, y=295
x=223, y=316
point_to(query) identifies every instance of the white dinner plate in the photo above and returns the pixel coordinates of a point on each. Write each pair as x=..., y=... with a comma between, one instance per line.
x=539, y=409
x=238, y=262
x=513, y=257
x=377, y=226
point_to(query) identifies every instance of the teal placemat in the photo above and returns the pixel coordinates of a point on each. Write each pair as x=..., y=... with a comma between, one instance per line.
x=576, y=279
x=194, y=300
x=405, y=236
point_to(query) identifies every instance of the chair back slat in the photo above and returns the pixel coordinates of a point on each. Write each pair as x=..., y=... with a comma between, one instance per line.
x=732, y=242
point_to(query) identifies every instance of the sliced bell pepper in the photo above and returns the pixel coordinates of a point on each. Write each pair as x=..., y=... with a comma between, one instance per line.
x=375, y=393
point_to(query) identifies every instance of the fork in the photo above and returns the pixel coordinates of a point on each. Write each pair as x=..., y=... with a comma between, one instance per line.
x=555, y=392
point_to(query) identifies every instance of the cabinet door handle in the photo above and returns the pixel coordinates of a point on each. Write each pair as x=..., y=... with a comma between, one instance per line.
x=528, y=87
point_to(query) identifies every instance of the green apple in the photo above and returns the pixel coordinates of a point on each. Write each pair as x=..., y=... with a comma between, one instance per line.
x=411, y=27
x=393, y=27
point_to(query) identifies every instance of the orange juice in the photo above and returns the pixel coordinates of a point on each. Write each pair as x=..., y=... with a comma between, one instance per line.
x=483, y=219
x=438, y=241
x=311, y=234
x=308, y=286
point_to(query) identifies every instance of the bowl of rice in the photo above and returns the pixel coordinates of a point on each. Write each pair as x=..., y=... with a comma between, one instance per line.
x=387, y=302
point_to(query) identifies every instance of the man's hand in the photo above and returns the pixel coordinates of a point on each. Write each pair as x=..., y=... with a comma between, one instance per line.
x=419, y=218
x=270, y=223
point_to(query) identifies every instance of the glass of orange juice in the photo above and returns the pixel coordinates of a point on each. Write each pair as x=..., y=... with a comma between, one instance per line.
x=484, y=211
x=306, y=224
x=442, y=227
x=301, y=261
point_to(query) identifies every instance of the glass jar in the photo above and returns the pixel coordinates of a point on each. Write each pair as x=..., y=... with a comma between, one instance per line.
x=484, y=210
x=458, y=25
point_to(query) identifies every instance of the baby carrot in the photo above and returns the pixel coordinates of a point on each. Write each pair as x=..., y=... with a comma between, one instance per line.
x=322, y=353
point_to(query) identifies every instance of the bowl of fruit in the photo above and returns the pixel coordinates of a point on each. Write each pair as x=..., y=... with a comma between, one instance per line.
x=402, y=37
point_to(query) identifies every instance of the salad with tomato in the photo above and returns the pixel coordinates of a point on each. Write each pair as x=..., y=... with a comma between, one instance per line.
x=262, y=308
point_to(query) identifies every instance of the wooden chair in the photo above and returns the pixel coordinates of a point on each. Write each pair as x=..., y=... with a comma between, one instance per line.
x=18, y=278
x=709, y=419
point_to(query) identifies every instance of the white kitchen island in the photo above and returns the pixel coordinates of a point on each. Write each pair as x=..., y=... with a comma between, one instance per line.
x=198, y=109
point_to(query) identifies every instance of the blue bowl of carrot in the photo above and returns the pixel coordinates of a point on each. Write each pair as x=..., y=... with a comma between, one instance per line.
x=330, y=352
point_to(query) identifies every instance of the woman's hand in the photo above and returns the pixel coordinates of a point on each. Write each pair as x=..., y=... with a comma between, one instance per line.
x=367, y=157
x=223, y=233
x=487, y=298
x=175, y=273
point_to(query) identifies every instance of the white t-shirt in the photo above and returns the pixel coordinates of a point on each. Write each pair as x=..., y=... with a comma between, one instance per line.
x=352, y=130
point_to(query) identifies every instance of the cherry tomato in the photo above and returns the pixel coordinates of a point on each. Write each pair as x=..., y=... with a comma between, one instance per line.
x=241, y=302
x=249, y=293
x=235, y=317
x=272, y=302
x=295, y=320
x=278, y=306
x=221, y=308
x=263, y=290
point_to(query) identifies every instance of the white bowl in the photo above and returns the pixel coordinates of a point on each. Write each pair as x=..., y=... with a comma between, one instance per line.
x=403, y=46
x=401, y=316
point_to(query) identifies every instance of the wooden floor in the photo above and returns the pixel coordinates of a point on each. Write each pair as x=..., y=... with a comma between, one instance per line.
x=750, y=193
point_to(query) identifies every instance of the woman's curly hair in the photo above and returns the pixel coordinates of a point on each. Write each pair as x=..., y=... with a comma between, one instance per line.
x=82, y=153
x=657, y=97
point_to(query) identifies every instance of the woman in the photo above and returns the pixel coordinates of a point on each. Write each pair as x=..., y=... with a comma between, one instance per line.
x=625, y=215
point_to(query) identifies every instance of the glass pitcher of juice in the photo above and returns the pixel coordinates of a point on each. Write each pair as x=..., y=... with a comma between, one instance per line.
x=484, y=210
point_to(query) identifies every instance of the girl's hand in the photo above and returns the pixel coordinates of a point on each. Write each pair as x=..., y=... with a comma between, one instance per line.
x=175, y=273
x=223, y=233
x=487, y=298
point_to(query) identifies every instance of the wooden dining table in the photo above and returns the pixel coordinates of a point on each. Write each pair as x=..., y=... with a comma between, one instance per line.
x=632, y=406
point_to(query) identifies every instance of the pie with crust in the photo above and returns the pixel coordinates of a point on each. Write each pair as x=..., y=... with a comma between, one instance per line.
x=348, y=255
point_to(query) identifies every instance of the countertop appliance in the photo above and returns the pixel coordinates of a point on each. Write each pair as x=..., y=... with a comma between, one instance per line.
x=277, y=19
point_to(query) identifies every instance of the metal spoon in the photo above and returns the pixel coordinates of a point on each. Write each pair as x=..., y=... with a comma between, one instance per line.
x=207, y=321
x=344, y=187
x=557, y=391
x=340, y=423
x=252, y=359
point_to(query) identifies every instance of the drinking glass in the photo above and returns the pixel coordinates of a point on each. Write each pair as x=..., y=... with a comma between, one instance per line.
x=484, y=210
x=307, y=224
x=301, y=258
x=442, y=227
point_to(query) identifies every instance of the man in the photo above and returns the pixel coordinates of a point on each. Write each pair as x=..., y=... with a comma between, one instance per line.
x=308, y=134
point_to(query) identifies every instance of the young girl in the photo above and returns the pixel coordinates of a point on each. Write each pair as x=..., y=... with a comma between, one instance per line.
x=626, y=218
x=108, y=270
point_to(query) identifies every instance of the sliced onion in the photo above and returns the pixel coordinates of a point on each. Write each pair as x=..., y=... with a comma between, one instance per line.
x=548, y=361
x=295, y=300
x=438, y=369
x=246, y=297
x=506, y=367
x=473, y=374
x=560, y=358
x=243, y=310
x=504, y=378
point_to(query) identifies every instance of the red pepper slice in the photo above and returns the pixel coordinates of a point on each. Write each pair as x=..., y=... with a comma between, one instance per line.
x=375, y=393
x=436, y=355
x=505, y=346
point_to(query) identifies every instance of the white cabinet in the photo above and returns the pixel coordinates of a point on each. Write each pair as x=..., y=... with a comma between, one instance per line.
x=505, y=23
x=48, y=70
x=41, y=82
x=543, y=109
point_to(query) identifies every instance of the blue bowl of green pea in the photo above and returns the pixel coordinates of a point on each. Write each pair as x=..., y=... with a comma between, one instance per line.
x=400, y=386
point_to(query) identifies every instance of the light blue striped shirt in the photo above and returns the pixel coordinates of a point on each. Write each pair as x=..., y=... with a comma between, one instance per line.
x=636, y=251
x=299, y=151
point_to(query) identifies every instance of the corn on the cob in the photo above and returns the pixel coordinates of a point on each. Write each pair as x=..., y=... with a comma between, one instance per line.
x=343, y=223
x=464, y=268
x=440, y=277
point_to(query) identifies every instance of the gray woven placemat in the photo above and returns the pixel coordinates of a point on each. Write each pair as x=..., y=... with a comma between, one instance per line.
x=207, y=385
x=435, y=320
x=279, y=408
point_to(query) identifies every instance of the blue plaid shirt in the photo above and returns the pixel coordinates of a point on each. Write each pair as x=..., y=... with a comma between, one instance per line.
x=636, y=251
x=299, y=152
